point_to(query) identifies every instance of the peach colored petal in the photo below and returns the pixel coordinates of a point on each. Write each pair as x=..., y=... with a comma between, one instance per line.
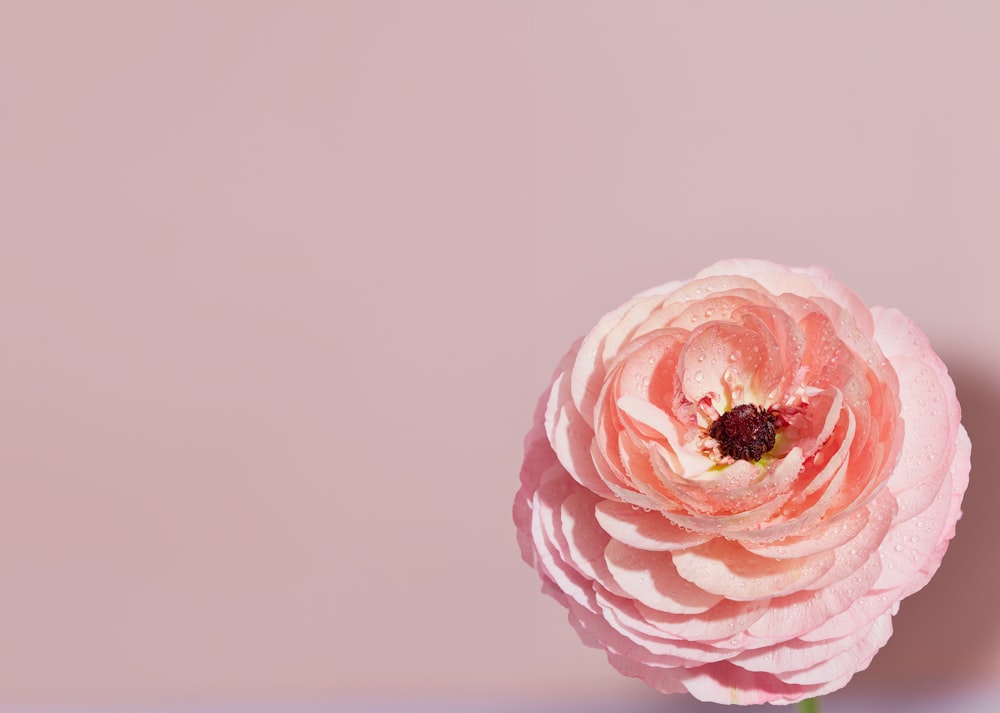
x=651, y=578
x=721, y=355
x=799, y=281
x=584, y=539
x=538, y=458
x=639, y=369
x=743, y=487
x=599, y=349
x=863, y=547
x=630, y=495
x=777, y=384
x=657, y=425
x=825, y=536
x=660, y=679
x=786, y=618
x=739, y=524
x=595, y=630
x=849, y=662
x=840, y=294
x=797, y=655
x=725, y=682
x=797, y=614
x=718, y=306
x=570, y=437
x=707, y=286
x=550, y=561
x=643, y=530
x=923, y=463
x=623, y=616
x=813, y=425
x=723, y=621
x=860, y=615
x=911, y=552
x=724, y=568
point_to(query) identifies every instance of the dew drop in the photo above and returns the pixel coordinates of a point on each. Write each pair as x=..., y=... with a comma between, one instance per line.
x=698, y=376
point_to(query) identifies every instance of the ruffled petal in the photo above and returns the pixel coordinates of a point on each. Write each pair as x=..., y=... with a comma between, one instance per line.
x=651, y=578
x=725, y=568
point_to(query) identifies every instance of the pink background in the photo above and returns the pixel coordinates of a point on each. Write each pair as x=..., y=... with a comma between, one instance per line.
x=280, y=283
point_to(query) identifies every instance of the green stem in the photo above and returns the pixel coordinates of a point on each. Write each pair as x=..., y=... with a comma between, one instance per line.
x=809, y=705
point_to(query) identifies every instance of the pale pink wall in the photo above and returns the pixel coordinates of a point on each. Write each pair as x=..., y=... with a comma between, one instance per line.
x=280, y=283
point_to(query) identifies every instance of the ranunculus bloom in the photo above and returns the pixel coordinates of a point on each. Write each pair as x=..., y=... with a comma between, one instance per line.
x=732, y=482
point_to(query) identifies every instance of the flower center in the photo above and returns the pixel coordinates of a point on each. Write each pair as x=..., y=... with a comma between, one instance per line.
x=745, y=433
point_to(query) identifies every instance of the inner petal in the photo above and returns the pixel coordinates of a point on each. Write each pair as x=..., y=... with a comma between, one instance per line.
x=726, y=363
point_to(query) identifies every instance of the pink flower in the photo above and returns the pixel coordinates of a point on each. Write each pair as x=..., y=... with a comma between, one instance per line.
x=733, y=481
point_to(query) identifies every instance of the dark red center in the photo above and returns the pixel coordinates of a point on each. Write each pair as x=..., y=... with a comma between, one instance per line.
x=745, y=433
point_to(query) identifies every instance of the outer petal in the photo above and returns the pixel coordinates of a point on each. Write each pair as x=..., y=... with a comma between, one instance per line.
x=570, y=437
x=847, y=663
x=651, y=578
x=913, y=548
x=723, y=621
x=725, y=568
x=931, y=412
x=644, y=530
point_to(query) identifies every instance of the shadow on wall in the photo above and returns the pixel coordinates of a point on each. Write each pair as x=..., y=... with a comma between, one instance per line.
x=948, y=632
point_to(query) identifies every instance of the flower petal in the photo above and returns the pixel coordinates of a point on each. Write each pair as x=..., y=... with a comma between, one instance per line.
x=651, y=578
x=643, y=530
x=724, y=568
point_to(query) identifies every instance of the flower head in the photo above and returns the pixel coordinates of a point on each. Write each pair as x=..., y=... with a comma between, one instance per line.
x=733, y=481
